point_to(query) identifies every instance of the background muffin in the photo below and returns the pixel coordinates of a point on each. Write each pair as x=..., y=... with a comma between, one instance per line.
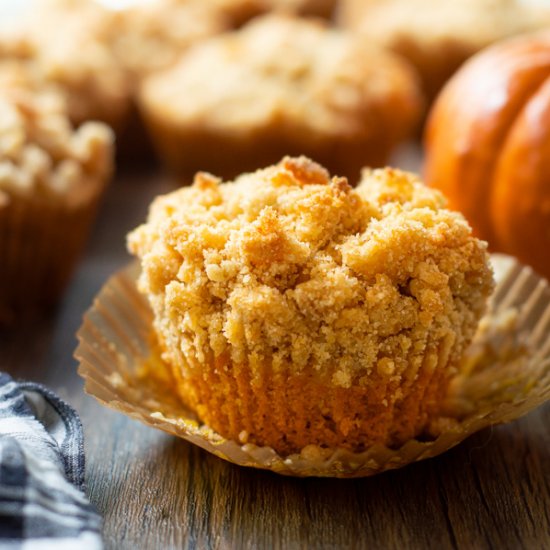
x=65, y=43
x=295, y=310
x=240, y=11
x=437, y=37
x=51, y=179
x=280, y=86
x=152, y=36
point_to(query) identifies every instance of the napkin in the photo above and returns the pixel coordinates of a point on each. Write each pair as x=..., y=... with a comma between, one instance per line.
x=42, y=503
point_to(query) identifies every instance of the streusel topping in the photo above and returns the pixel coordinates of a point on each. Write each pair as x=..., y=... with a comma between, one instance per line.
x=41, y=153
x=288, y=266
x=288, y=72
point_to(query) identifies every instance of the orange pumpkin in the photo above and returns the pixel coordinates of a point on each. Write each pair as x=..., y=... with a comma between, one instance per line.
x=488, y=147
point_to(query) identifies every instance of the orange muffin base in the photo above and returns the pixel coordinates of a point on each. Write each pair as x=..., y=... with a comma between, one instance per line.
x=288, y=411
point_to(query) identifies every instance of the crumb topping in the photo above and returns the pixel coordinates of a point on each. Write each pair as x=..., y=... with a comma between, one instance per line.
x=41, y=153
x=288, y=266
x=292, y=73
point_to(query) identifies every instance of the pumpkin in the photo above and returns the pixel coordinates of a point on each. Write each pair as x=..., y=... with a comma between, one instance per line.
x=488, y=147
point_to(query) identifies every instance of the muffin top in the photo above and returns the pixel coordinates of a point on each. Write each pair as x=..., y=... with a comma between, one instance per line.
x=289, y=73
x=41, y=154
x=152, y=36
x=465, y=23
x=288, y=266
x=64, y=42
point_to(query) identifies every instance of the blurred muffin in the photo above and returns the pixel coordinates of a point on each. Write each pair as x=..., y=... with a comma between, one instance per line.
x=65, y=43
x=295, y=310
x=437, y=37
x=152, y=36
x=51, y=179
x=280, y=85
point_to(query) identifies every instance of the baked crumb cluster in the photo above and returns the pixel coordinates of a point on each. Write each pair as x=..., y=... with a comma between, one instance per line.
x=290, y=268
x=41, y=153
x=290, y=75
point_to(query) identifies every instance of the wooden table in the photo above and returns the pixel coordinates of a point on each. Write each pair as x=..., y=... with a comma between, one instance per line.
x=155, y=491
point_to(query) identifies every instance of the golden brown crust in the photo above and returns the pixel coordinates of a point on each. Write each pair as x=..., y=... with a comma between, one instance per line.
x=281, y=86
x=437, y=37
x=287, y=273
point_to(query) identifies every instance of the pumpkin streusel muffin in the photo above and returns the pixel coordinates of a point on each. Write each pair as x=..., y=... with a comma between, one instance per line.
x=280, y=85
x=51, y=178
x=295, y=310
x=64, y=43
x=437, y=37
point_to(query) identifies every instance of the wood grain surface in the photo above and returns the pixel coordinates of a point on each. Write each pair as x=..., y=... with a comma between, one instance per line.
x=155, y=491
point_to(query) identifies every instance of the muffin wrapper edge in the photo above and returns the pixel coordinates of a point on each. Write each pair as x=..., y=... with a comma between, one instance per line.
x=506, y=375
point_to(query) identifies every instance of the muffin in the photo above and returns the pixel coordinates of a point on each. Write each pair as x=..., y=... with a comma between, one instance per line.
x=295, y=310
x=51, y=178
x=151, y=36
x=76, y=59
x=278, y=86
x=437, y=37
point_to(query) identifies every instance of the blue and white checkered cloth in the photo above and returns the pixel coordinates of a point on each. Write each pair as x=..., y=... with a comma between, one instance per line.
x=42, y=504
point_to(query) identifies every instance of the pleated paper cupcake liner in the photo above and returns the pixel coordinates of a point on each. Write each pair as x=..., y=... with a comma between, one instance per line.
x=40, y=242
x=506, y=374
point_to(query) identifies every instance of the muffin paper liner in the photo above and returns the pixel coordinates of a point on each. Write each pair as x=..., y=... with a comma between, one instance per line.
x=506, y=374
x=40, y=241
